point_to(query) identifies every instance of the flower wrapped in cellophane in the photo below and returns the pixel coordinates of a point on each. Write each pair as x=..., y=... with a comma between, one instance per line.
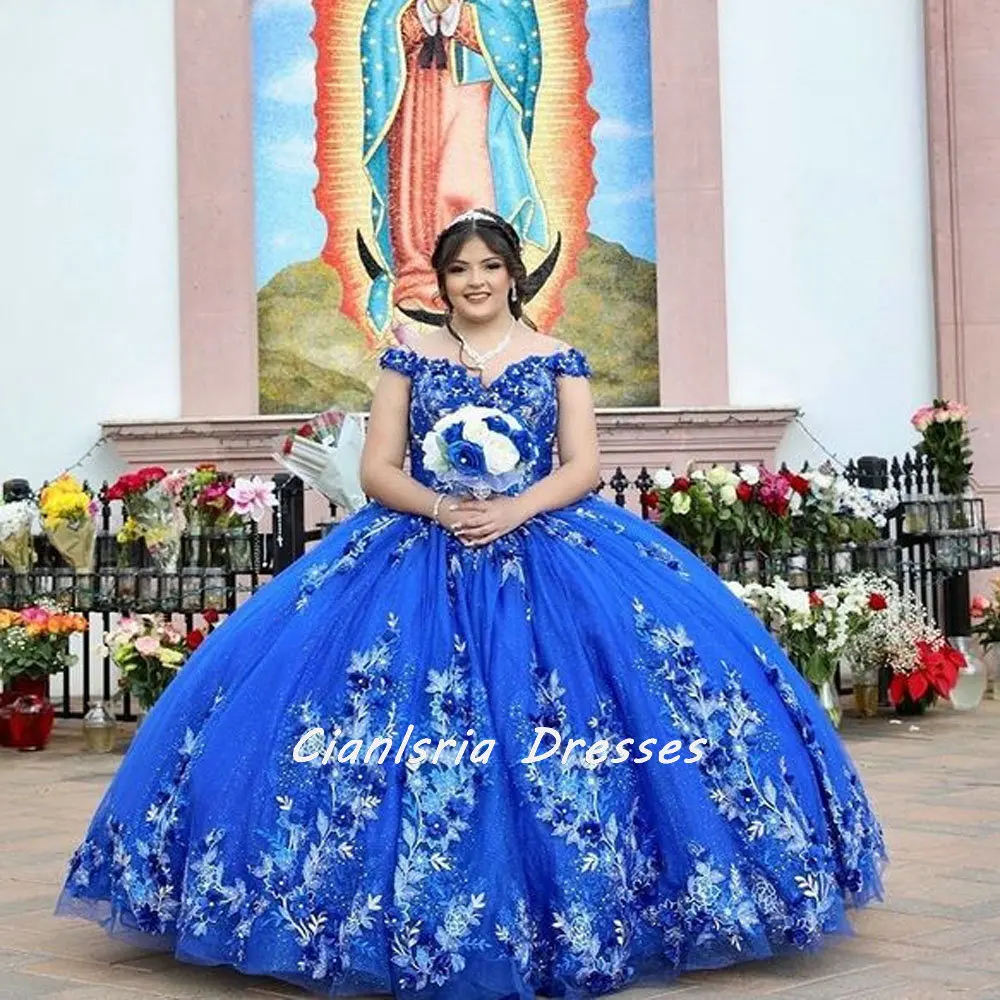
x=17, y=521
x=149, y=650
x=69, y=519
x=478, y=449
x=325, y=453
x=154, y=514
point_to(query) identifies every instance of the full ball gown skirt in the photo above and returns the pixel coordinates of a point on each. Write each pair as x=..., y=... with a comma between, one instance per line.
x=483, y=878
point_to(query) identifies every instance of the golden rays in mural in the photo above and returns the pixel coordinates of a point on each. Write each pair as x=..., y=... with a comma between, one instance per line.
x=424, y=111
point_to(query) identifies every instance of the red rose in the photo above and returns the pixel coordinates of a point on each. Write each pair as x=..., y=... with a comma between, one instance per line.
x=681, y=485
x=744, y=491
x=815, y=601
x=305, y=431
x=652, y=500
x=211, y=616
x=286, y=446
x=877, y=602
x=150, y=474
x=778, y=506
x=797, y=483
x=194, y=639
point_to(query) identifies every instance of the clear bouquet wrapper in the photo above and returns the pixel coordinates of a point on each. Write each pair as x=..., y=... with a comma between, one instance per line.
x=162, y=523
x=75, y=543
x=17, y=521
x=325, y=453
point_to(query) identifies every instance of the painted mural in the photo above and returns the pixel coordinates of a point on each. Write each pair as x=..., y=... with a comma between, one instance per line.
x=379, y=121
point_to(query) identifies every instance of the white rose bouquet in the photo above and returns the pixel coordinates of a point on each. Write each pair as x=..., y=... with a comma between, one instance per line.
x=478, y=449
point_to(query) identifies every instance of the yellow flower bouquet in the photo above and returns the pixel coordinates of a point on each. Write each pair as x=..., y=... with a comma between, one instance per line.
x=69, y=515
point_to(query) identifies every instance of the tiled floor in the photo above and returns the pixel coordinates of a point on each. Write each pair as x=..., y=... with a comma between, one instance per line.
x=936, y=784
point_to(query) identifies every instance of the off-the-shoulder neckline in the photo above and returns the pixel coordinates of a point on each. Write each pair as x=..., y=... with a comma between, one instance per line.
x=513, y=366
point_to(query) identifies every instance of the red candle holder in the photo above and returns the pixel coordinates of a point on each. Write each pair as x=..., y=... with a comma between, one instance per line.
x=26, y=723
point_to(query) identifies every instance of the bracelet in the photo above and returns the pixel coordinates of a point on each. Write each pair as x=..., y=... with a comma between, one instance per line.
x=437, y=506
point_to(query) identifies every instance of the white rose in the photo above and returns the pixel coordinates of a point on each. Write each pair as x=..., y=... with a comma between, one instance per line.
x=728, y=495
x=718, y=475
x=698, y=475
x=475, y=431
x=795, y=503
x=751, y=475
x=663, y=479
x=680, y=503
x=501, y=454
x=435, y=456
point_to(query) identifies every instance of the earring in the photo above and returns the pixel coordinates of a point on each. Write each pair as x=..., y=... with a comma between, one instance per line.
x=513, y=293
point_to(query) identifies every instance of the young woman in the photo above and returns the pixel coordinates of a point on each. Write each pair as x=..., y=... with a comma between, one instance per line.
x=483, y=748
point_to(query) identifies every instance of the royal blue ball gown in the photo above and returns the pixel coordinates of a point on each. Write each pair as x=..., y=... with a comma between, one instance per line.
x=733, y=826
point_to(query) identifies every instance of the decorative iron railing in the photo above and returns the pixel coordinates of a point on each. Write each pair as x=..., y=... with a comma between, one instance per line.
x=929, y=545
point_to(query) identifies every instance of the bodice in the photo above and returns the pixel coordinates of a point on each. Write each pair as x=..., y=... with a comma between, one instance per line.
x=525, y=389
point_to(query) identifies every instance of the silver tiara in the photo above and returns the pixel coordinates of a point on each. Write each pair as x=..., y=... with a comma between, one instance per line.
x=473, y=215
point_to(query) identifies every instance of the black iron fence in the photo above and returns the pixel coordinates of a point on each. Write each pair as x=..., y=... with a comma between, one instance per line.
x=929, y=544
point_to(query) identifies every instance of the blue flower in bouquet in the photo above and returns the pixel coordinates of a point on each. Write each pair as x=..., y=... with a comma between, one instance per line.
x=466, y=456
x=478, y=448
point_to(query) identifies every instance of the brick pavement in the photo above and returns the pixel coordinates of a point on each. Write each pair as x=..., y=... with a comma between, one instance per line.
x=936, y=937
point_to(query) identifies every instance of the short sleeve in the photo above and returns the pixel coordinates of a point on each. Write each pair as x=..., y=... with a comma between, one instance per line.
x=399, y=359
x=571, y=362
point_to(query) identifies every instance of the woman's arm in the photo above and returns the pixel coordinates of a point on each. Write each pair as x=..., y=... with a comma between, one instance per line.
x=382, y=475
x=579, y=469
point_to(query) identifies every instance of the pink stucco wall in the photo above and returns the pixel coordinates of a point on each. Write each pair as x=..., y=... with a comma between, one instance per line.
x=963, y=81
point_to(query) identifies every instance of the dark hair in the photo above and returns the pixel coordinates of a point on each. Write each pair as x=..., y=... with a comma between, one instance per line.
x=499, y=235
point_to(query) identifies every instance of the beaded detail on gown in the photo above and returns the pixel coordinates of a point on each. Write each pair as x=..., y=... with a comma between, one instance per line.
x=732, y=827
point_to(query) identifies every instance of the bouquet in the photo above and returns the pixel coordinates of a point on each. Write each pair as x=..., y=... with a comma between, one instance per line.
x=751, y=509
x=944, y=431
x=34, y=642
x=153, y=507
x=17, y=519
x=325, y=453
x=478, y=449
x=700, y=508
x=816, y=627
x=764, y=511
x=901, y=639
x=985, y=614
x=149, y=650
x=68, y=517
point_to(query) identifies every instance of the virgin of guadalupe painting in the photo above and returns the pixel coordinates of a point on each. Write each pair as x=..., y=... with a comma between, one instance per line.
x=377, y=122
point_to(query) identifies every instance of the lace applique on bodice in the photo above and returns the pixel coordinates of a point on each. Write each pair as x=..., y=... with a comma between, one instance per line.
x=526, y=389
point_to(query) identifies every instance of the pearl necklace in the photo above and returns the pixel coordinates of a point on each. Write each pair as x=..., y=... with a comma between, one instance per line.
x=481, y=360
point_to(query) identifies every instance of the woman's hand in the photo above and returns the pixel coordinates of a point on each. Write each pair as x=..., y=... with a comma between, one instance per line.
x=449, y=516
x=484, y=521
x=439, y=6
